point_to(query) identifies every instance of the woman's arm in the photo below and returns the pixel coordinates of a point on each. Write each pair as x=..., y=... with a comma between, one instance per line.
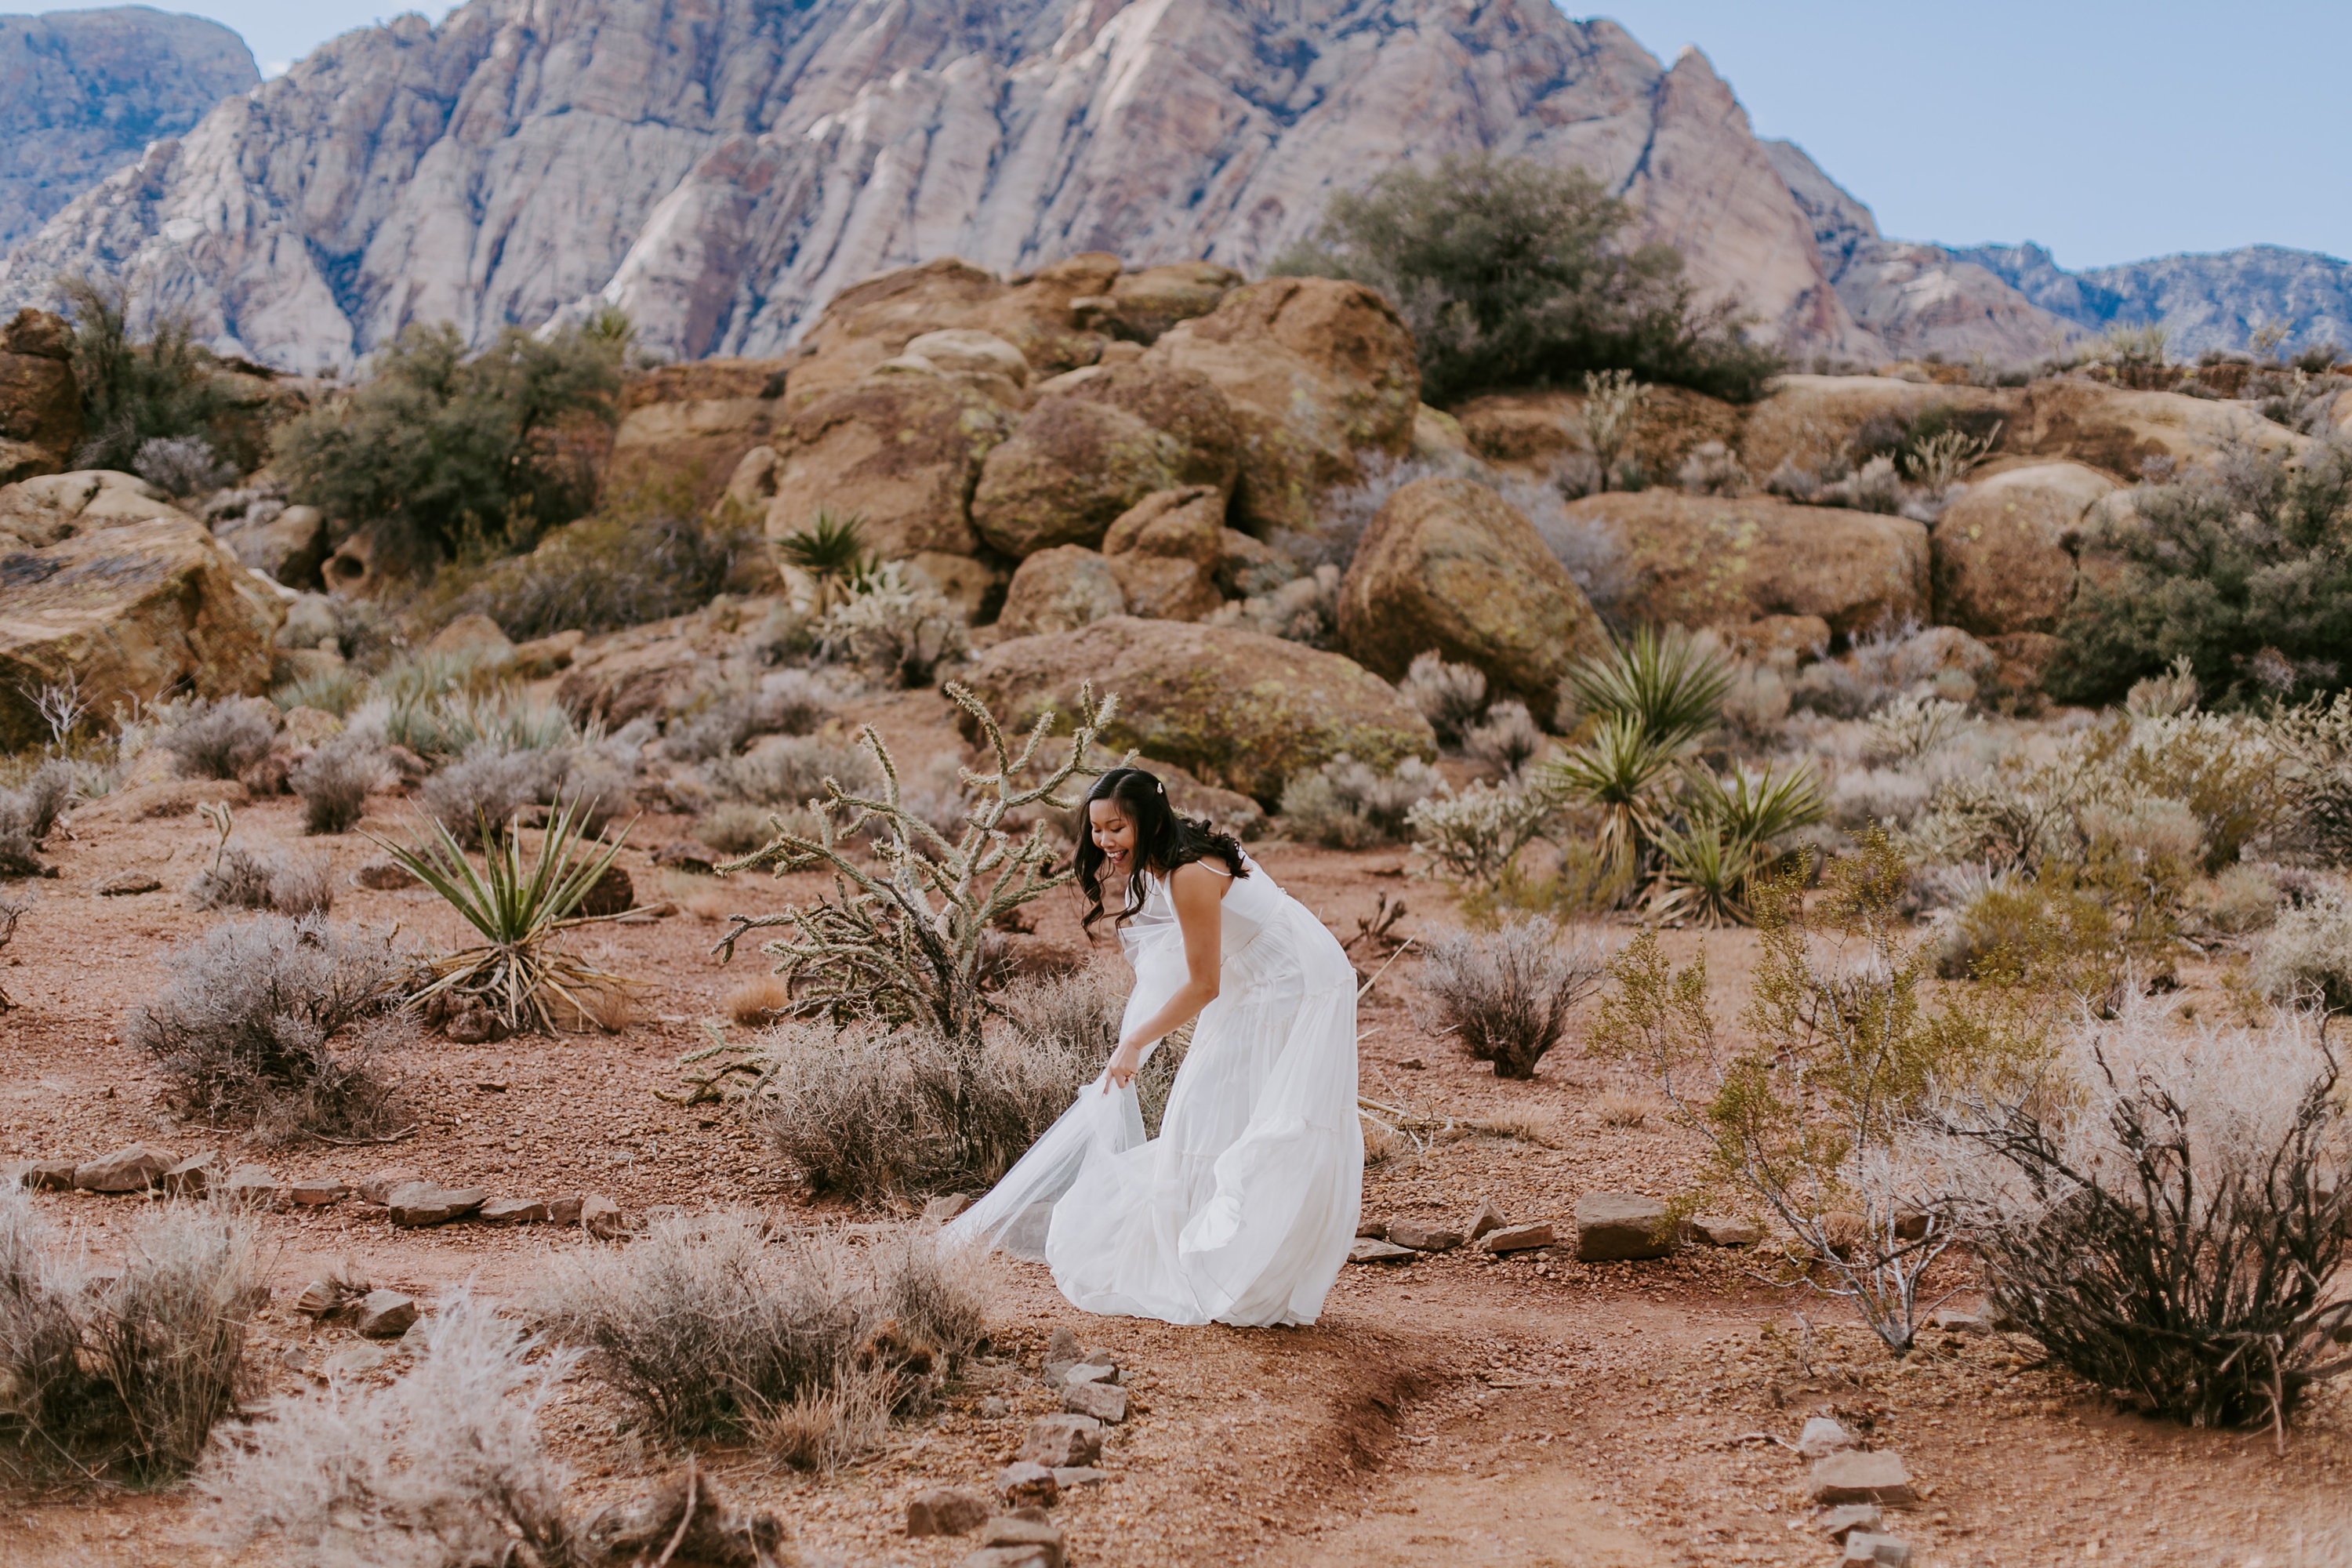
x=1198, y=894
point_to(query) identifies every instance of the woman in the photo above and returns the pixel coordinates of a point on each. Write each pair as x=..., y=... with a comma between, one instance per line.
x=1242, y=1209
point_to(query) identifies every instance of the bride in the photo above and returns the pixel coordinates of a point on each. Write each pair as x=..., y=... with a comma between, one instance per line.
x=1242, y=1209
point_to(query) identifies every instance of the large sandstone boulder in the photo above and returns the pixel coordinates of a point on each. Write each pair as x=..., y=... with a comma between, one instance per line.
x=51, y=507
x=694, y=423
x=2004, y=550
x=1449, y=565
x=1807, y=420
x=1240, y=710
x=1166, y=553
x=288, y=548
x=1068, y=473
x=1704, y=561
x=1533, y=432
x=40, y=407
x=2120, y=431
x=904, y=450
x=875, y=321
x=1142, y=305
x=1060, y=590
x=1317, y=373
x=127, y=612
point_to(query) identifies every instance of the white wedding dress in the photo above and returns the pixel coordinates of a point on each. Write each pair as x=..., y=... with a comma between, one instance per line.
x=1242, y=1209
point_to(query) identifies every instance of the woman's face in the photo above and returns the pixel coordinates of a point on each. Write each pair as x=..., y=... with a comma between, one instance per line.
x=1114, y=833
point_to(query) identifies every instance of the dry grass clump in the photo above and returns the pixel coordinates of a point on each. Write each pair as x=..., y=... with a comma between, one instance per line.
x=2307, y=959
x=1617, y=1108
x=127, y=1371
x=1508, y=993
x=759, y=1002
x=221, y=740
x=278, y=1024
x=709, y=1330
x=1528, y=1123
x=28, y=812
x=787, y=703
x=489, y=784
x=334, y=780
x=240, y=879
x=792, y=771
x=1450, y=696
x=444, y=1468
x=1348, y=804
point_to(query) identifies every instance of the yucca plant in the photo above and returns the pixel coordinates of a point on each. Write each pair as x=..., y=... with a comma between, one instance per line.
x=832, y=549
x=1732, y=831
x=1624, y=771
x=519, y=908
x=1667, y=683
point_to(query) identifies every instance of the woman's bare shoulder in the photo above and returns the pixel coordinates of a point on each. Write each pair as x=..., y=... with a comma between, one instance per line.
x=1200, y=878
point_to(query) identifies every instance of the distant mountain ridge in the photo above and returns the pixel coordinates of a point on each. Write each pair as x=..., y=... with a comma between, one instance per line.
x=720, y=168
x=82, y=92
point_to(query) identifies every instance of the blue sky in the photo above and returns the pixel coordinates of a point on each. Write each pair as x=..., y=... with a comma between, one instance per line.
x=2107, y=130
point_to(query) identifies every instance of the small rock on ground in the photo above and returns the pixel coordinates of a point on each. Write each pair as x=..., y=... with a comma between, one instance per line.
x=194, y=1176
x=1368, y=1250
x=1856, y=1476
x=253, y=1186
x=128, y=884
x=421, y=1203
x=1727, y=1230
x=47, y=1176
x=1026, y=1481
x=1886, y=1551
x=376, y=1188
x=1619, y=1228
x=383, y=876
x=511, y=1211
x=944, y=1511
x=132, y=1168
x=1522, y=1238
x=1424, y=1239
x=1823, y=1436
x=1106, y=1401
x=386, y=1314
x=1488, y=1217
x=1841, y=1522
x=1068, y=1475
x=1055, y=1441
x=317, y=1191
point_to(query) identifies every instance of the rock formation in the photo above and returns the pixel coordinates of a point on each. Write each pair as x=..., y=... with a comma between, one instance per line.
x=722, y=170
x=2213, y=301
x=81, y=92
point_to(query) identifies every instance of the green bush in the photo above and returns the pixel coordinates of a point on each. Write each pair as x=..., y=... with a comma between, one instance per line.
x=628, y=564
x=133, y=393
x=1509, y=275
x=452, y=450
x=2244, y=570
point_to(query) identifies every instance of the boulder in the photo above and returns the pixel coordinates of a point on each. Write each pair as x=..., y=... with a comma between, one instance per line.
x=128, y=613
x=476, y=638
x=874, y=321
x=1711, y=561
x=1449, y=565
x=1535, y=433
x=289, y=548
x=2003, y=552
x=1236, y=708
x=1180, y=402
x=41, y=407
x=1234, y=812
x=1807, y=420
x=696, y=422
x=962, y=349
x=38, y=512
x=1616, y=1227
x=2120, y=431
x=1143, y=304
x=1060, y=590
x=1068, y=473
x=1318, y=374
x=1165, y=552
x=902, y=451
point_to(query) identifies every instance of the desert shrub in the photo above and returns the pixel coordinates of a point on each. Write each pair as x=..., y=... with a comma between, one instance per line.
x=28, y=814
x=334, y=780
x=894, y=627
x=638, y=559
x=1348, y=804
x=2243, y=567
x=221, y=740
x=1587, y=547
x=787, y=703
x=1450, y=696
x=1711, y=469
x=1728, y=831
x=2307, y=959
x=1890, y=797
x=792, y=771
x=706, y=1329
x=1304, y=610
x=443, y=1467
x=1910, y=728
x=275, y=1023
x=2167, y=1230
x=134, y=392
x=1756, y=705
x=1807, y=1110
x=242, y=878
x=336, y=691
x=2314, y=741
x=1475, y=837
x=453, y=449
x=181, y=465
x=734, y=828
x=129, y=1370
x=1507, y=273
x=1507, y=741
x=1076, y=1017
x=487, y=785
x=2241, y=899
x=1507, y=994
x=452, y=724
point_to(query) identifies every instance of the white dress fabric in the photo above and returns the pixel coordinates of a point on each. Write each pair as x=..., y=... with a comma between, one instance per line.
x=1242, y=1209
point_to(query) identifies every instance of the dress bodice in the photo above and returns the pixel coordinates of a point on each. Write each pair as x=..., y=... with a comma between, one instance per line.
x=1248, y=907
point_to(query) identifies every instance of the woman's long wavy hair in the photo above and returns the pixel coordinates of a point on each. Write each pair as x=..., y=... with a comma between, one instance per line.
x=1163, y=840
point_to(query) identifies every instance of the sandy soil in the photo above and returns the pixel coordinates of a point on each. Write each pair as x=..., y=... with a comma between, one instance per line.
x=1456, y=1410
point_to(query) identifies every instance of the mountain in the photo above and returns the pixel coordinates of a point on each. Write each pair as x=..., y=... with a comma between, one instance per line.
x=81, y=92
x=2213, y=301
x=722, y=167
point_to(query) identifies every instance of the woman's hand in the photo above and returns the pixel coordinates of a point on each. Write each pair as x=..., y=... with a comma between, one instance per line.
x=1124, y=1062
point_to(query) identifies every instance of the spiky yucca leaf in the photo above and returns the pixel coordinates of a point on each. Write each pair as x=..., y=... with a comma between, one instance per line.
x=1666, y=682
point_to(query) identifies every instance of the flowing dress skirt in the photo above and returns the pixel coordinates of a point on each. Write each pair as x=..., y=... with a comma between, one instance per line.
x=1242, y=1209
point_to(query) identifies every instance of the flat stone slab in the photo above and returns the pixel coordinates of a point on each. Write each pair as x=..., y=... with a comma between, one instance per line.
x=1424, y=1239
x=376, y=1188
x=133, y=1168
x=128, y=884
x=1106, y=1401
x=317, y=1191
x=1367, y=1251
x=1883, y=1550
x=1619, y=1228
x=1856, y=1476
x=511, y=1211
x=421, y=1203
x=1725, y=1230
x=1823, y=1436
x=1522, y=1238
x=1068, y=1475
x=254, y=1186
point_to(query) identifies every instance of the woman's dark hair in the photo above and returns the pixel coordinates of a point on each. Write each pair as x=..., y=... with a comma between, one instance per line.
x=1163, y=840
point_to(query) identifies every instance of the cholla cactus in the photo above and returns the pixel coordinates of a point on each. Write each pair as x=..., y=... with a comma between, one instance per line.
x=900, y=938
